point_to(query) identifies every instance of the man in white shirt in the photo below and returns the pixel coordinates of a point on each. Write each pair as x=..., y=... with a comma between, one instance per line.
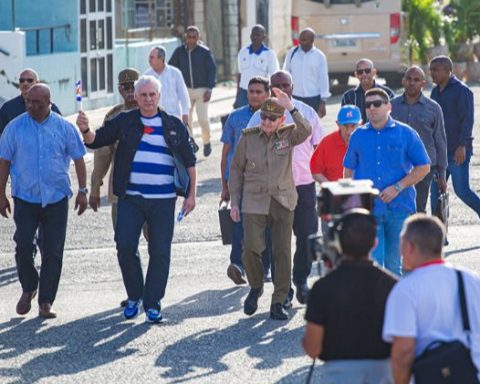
x=305, y=220
x=255, y=59
x=174, y=97
x=424, y=306
x=308, y=67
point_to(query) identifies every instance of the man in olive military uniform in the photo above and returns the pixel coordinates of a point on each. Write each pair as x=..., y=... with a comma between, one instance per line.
x=261, y=177
x=103, y=157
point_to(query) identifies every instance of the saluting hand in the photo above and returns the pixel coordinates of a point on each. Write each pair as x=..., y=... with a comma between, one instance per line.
x=283, y=99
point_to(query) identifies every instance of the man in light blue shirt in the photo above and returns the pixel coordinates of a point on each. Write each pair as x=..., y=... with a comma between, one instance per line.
x=35, y=150
x=392, y=155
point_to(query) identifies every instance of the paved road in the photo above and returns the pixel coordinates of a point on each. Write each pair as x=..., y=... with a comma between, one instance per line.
x=205, y=338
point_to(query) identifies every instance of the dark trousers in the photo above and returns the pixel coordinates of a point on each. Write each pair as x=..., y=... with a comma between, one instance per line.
x=423, y=188
x=237, y=247
x=313, y=101
x=53, y=220
x=305, y=223
x=133, y=212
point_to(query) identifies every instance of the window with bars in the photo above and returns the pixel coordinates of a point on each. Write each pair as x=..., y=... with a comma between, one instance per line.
x=150, y=13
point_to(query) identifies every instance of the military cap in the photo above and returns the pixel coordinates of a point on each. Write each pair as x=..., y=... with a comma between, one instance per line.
x=272, y=108
x=128, y=75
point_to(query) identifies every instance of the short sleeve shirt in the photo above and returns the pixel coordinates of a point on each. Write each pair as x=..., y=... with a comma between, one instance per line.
x=349, y=303
x=386, y=156
x=425, y=305
x=232, y=131
x=327, y=159
x=40, y=155
x=262, y=62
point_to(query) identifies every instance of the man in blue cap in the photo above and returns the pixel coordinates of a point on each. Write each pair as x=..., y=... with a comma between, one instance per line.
x=326, y=163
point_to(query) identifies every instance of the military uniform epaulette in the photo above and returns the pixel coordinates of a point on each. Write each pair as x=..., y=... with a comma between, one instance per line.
x=249, y=131
x=285, y=127
x=114, y=111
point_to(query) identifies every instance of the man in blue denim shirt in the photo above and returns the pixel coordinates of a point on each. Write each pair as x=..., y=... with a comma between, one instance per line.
x=258, y=92
x=36, y=149
x=456, y=100
x=393, y=156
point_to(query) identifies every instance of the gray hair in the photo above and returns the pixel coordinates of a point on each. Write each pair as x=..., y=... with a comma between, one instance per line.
x=161, y=51
x=147, y=79
x=364, y=60
x=442, y=60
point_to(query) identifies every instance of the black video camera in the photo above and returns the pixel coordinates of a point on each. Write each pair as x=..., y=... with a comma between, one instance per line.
x=334, y=200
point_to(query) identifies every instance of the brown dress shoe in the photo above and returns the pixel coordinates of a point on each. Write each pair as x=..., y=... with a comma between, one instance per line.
x=45, y=311
x=25, y=303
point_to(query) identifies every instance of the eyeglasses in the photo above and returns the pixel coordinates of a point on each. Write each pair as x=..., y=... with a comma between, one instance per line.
x=366, y=70
x=264, y=116
x=127, y=86
x=23, y=80
x=375, y=103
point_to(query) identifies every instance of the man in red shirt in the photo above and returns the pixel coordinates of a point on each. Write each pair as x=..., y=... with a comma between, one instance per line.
x=326, y=163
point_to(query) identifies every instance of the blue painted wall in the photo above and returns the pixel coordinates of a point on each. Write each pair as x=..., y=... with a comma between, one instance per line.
x=42, y=13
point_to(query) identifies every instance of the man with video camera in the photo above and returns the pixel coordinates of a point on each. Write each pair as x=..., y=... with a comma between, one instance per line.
x=346, y=308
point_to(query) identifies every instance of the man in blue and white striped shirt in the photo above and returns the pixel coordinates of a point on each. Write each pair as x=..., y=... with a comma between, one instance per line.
x=153, y=148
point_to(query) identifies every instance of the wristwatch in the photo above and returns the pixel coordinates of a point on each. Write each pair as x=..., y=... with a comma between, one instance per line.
x=397, y=187
x=83, y=190
x=293, y=110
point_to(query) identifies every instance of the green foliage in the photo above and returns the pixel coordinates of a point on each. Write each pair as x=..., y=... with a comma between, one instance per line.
x=463, y=21
x=424, y=26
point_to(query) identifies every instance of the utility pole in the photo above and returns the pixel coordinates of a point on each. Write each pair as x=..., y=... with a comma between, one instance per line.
x=13, y=15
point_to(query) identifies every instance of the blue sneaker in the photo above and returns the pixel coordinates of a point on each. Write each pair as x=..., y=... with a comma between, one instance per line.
x=153, y=316
x=131, y=310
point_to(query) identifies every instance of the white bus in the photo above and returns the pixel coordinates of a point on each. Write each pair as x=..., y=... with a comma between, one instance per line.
x=347, y=30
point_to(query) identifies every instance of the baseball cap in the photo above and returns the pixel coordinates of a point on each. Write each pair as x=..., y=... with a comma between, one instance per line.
x=128, y=75
x=272, y=108
x=349, y=114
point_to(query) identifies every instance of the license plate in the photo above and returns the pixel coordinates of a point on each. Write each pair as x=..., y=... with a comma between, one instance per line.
x=343, y=43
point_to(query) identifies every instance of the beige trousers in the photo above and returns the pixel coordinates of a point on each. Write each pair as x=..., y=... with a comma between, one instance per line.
x=201, y=107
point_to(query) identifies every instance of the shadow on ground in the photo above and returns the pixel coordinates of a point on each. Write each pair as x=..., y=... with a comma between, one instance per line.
x=65, y=349
x=267, y=341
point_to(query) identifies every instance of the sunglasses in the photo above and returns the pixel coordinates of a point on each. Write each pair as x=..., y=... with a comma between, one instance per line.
x=366, y=70
x=23, y=80
x=264, y=116
x=376, y=104
x=127, y=86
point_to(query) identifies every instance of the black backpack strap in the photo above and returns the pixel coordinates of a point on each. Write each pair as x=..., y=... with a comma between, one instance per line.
x=463, y=301
x=293, y=53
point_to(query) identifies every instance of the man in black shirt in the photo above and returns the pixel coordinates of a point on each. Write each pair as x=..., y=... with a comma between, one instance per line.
x=345, y=309
x=16, y=106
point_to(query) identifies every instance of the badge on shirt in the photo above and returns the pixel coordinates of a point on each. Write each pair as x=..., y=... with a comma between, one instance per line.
x=281, y=144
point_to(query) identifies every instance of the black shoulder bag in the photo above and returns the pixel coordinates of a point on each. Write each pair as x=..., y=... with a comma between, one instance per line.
x=448, y=362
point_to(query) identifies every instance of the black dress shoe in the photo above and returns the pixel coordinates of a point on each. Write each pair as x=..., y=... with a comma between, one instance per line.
x=207, y=150
x=251, y=302
x=277, y=312
x=302, y=293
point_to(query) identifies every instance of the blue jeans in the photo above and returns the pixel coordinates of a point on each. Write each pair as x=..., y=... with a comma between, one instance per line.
x=356, y=372
x=133, y=212
x=237, y=247
x=387, y=252
x=53, y=220
x=461, y=184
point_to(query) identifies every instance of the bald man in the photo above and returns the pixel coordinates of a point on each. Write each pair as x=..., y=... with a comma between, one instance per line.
x=35, y=150
x=16, y=106
x=365, y=72
x=308, y=66
x=426, y=117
